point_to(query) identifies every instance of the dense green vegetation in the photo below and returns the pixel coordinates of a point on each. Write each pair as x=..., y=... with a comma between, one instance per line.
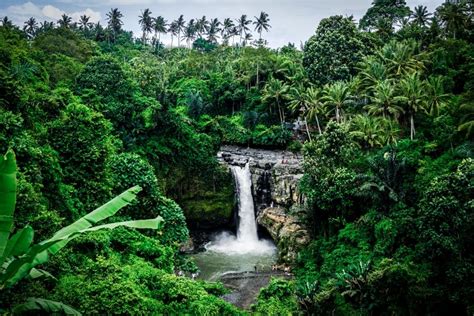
x=386, y=109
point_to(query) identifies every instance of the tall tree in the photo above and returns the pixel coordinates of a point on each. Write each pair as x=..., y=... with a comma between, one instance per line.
x=227, y=29
x=413, y=96
x=383, y=101
x=84, y=23
x=30, y=27
x=202, y=25
x=146, y=24
x=214, y=29
x=6, y=22
x=114, y=22
x=275, y=92
x=190, y=32
x=160, y=26
x=243, y=26
x=334, y=51
x=454, y=17
x=173, y=30
x=262, y=23
x=180, y=24
x=247, y=38
x=65, y=21
x=391, y=11
x=436, y=95
x=337, y=96
x=421, y=16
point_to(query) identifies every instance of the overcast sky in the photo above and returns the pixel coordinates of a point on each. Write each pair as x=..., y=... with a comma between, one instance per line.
x=291, y=20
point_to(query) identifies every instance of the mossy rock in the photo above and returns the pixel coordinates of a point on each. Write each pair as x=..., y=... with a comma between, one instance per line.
x=211, y=209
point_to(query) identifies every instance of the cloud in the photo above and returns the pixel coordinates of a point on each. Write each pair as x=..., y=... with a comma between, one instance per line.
x=22, y=12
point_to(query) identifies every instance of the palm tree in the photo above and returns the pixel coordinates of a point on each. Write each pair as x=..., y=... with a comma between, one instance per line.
x=298, y=102
x=159, y=26
x=467, y=120
x=84, y=23
x=214, y=29
x=46, y=26
x=275, y=92
x=337, y=96
x=202, y=25
x=421, y=16
x=371, y=72
x=368, y=130
x=146, y=23
x=261, y=23
x=227, y=28
x=308, y=103
x=247, y=38
x=180, y=23
x=242, y=26
x=65, y=21
x=401, y=57
x=173, y=30
x=98, y=32
x=436, y=95
x=413, y=96
x=189, y=32
x=383, y=101
x=453, y=17
x=315, y=105
x=30, y=28
x=114, y=21
x=6, y=22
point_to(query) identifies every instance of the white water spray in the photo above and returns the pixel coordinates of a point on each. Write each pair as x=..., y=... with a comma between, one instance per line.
x=247, y=231
x=247, y=241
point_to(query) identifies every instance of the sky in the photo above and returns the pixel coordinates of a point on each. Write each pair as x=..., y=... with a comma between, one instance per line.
x=291, y=20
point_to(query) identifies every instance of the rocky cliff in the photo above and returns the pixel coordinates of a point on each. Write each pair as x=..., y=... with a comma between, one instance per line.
x=275, y=177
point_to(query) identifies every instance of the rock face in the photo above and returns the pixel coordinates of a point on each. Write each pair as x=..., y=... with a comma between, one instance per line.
x=275, y=174
x=288, y=232
x=275, y=177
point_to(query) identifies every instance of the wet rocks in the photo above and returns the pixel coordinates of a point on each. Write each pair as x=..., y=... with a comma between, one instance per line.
x=287, y=231
x=275, y=174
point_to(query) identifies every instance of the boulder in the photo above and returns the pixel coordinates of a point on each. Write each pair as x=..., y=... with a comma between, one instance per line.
x=288, y=232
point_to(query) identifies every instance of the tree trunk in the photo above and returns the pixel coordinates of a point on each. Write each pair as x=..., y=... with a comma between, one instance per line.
x=337, y=114
x=319, y=127
x=257, y=74
x=279, y=112
x=307, y=129
x=412, y=127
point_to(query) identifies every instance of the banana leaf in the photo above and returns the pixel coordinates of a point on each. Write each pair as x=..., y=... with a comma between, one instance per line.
x=7, y=197
x=19, y=243
x=108, y=209
x=155, y=223
x=41, y=306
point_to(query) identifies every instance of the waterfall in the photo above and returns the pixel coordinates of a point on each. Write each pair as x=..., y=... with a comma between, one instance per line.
x=246, y=241
x=247, y=230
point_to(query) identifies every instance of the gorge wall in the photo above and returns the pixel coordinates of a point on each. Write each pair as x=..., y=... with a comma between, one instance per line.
x=275, y=175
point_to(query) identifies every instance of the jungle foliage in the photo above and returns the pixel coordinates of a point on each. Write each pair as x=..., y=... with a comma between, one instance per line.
x=382, y=111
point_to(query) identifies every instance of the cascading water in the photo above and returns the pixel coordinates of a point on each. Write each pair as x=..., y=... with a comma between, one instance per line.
x=244, y=252
x=247, y=241
x=247, y=230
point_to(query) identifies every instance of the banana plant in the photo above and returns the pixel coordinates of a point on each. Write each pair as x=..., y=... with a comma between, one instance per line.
x=19, y=257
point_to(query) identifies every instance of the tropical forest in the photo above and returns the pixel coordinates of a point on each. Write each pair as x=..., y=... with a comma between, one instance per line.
x=192, y=168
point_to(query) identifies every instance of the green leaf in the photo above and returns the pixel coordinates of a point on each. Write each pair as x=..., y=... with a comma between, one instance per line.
x=154, y=223
x=108, y=209
x=38, y=273
x=20, y=242
x=38, y=305
x=7, y=197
